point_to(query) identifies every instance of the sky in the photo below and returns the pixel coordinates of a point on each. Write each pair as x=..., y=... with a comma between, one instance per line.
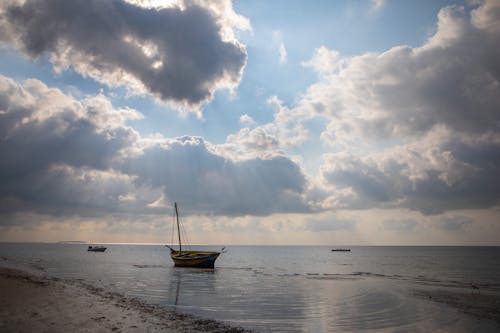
x=268, y=122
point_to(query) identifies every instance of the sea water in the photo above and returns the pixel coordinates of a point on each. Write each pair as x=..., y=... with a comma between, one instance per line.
x=287, y=288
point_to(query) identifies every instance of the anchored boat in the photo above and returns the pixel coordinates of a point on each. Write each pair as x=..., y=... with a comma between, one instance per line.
x=182, y=258
x=97, y=248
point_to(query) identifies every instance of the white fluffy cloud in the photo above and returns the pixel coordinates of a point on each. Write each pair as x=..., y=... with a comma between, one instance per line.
x=413, y=127
x=452, y=79
x=181, y=53
x=249, y=143
x=247, y=120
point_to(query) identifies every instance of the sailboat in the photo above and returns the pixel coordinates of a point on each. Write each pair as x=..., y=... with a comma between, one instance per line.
x=199, y=259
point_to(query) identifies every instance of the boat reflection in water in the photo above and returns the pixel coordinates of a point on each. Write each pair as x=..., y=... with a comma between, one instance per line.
x=198, y=259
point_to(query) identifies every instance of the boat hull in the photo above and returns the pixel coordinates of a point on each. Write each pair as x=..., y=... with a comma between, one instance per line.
x=194, y=259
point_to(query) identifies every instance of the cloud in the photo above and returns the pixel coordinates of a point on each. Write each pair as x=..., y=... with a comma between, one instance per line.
x=377, y=5
x=181, y=53
x=412, y=127
x=287, y=124
x=282, y=52
x=441, y=82
x=58, y=153
x=487, y=16
x=454, y=223
x=325, y=61
x=279, y=46
x=41, y=126
x=443, y=171
x=63, y=190
x=191, y=173
x=62, y=156
x=247, y=120
x=400, y=226
x=356, y=184
x=249, y=143
x=270, y=139
x=330, y=224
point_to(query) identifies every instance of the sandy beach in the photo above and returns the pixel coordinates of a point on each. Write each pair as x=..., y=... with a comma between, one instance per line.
x=32, y=302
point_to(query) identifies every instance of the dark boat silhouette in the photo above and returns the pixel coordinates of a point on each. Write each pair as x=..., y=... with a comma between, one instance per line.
x=96, y=248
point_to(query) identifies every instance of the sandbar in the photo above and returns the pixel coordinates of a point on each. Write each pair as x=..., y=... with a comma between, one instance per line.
x=480, y=305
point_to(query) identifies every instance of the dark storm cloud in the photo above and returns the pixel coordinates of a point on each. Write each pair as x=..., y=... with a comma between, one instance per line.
x=208, y=183
x=41, y=126
x=430, y=179
x=60, y=156
x=55, y=151
x=177, y=55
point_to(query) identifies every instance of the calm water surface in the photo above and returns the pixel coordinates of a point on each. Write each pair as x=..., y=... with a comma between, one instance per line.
x=287, y=289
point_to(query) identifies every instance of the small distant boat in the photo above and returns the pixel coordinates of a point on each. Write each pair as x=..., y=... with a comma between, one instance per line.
x=341, y=250
x=198, y=259
x=96, y=248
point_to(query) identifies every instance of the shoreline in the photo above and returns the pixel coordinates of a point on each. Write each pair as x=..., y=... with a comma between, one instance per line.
x=32, y=302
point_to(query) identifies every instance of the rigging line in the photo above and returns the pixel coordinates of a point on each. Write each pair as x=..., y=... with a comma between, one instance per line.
x=172, y=231
x=184, y=236
x=188, y=241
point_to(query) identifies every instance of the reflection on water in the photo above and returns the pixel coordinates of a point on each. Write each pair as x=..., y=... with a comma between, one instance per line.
x=177, y=289
x=285, y=289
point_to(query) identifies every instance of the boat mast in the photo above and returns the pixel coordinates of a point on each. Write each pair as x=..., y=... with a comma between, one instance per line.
x=178, y=228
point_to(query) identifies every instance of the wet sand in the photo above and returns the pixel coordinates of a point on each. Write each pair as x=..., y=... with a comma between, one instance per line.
x=31, y=302
x=475, y=303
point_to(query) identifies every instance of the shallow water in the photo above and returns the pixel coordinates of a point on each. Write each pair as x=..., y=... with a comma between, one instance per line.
x=287, y=289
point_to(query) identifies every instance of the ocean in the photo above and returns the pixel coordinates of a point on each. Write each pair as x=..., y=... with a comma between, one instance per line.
x=288, y=288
